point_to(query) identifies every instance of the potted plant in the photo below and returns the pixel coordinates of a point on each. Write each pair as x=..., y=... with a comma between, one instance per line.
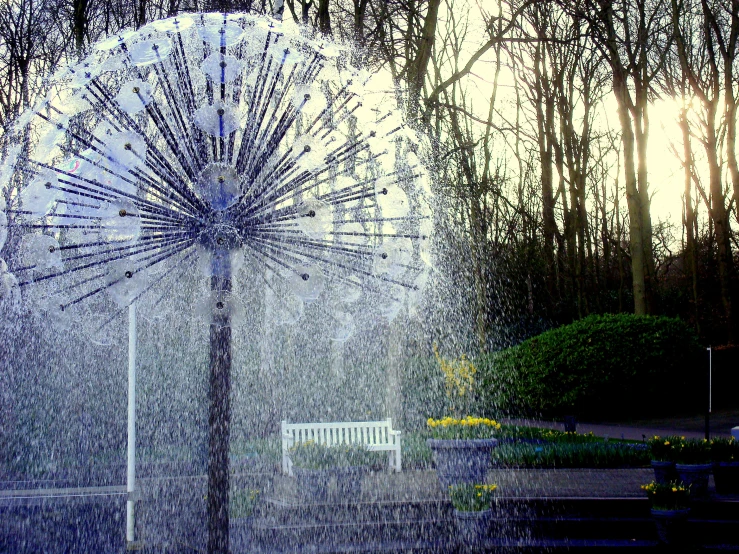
x=670, y=508
x=472, y=510
x=352, y=464
x=693, y=465
x=662, y=450
x=462, y=448
x=311, y=462
x=315, y=465
x=241, y=518
x=725, y=457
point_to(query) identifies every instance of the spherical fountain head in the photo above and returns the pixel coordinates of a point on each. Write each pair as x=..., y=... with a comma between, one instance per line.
x=223, y=143
x=219, y=185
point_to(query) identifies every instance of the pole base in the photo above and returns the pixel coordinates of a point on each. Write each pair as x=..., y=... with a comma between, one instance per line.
x=135, y=545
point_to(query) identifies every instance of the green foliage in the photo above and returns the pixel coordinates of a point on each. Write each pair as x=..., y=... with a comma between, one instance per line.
x=242, y=503
x=423, y=393
x=549, y=435
x=598, y=367
x=471, y=498
x=724, y=450
x=269, y=448
x=693, y=451
x=416, y=453
x=570, y=455
x=663, y=449
x=560, y=450
x=311, y=455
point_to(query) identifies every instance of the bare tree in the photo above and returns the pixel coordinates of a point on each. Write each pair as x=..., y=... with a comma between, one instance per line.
x=695, y=42
x=31, y=45
x=633, y=38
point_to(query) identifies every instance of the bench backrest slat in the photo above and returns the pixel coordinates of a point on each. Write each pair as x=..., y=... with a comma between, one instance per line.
x=331, y=434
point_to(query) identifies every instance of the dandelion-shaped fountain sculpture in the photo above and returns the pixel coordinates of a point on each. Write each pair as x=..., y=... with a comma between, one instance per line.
x=218, y=141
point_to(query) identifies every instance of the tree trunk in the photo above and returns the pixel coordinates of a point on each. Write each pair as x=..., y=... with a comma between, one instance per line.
x=79, y=24
x=543, y=116
x=141, y=18
x=418, y=67
x=324, y=18
x=633, y=198
x=689, y=216
x=360, y=11
x=720, y=217
x=219, y=413
x=641, y=125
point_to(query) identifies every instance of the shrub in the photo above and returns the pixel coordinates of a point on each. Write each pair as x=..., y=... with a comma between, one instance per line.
x=602, y=366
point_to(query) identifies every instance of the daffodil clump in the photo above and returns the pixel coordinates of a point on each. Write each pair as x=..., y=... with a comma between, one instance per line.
x=243, y=502
x=464, y=428
x=693, y=451
x=724, y=450
x=667, y=496
x=459, y=375
x=664, y=449
x=472, y=498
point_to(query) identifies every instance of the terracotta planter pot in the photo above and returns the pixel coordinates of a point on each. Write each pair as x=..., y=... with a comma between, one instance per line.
x=664, y=472
x=726, y=477
x=473, y=526
x=696, y=477
x=461, y=461
x=672, y=526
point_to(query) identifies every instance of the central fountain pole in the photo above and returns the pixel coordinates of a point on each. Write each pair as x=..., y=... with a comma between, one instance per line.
x=219, y=412
x=131, y=449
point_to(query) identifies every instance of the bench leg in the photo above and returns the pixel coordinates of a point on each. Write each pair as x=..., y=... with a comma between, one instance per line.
x=394, y=463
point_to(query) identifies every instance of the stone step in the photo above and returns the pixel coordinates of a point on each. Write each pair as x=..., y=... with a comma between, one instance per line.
x=518, y=524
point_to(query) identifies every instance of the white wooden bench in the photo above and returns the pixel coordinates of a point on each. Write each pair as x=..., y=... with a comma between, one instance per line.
x=375, y=435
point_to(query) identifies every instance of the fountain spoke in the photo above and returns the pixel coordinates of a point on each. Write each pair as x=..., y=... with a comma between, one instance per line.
x=228, y=144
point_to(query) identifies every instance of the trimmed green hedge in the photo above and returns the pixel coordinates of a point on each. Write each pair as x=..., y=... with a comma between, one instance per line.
x=603, y=366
